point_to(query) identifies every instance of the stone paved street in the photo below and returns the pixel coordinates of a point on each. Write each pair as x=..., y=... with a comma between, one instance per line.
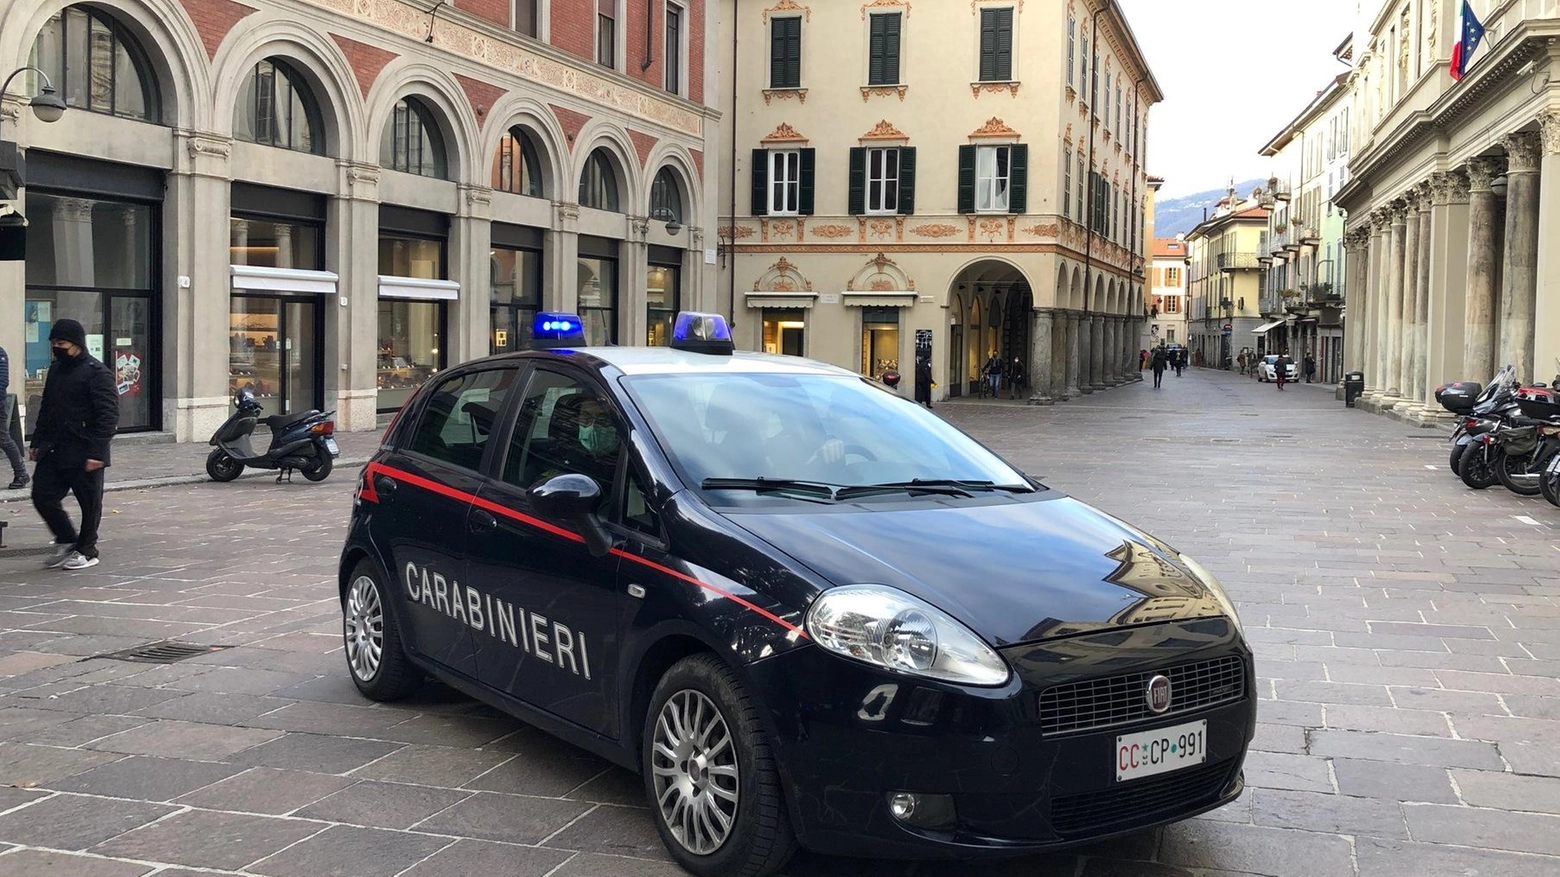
x=1407, y=632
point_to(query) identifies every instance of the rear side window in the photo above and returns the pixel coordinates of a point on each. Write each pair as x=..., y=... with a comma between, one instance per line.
x=460, y=415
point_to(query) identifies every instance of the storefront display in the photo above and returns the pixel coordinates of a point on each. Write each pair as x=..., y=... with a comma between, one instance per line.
x=879, y=341
x=663, y=295
x=516, y=296
x=412, y=295
x=785, y=331
x=598, y=297
x=409, y=350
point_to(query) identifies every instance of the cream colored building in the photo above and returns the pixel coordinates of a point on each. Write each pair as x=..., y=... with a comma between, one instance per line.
x=1453, y=201
x=966, y=173
x=1224, y=286
x=1167, y=275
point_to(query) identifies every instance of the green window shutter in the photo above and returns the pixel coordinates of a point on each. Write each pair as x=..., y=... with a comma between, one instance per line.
x=1004, y=59
x=858, y=181
x=760, y=182
x=891, y=49
x=988, y=45
x=966, y=179
x=785, y=53
x=793, y=60
x=1018, y=178
x=906, y=180
x=809, y=165
x=875, y=50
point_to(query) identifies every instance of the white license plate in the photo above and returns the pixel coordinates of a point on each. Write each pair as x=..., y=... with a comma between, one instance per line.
x=330, y=445
x=1160, y=751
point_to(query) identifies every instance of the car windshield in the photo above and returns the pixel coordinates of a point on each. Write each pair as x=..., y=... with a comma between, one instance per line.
x=821, y=429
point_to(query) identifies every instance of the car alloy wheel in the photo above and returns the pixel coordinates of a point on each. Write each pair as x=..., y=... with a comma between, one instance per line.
x=696, y=775
x=364, y=628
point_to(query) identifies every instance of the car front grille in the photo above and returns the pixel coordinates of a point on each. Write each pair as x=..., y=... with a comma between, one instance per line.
x=1140, y=802
x=1119, y=700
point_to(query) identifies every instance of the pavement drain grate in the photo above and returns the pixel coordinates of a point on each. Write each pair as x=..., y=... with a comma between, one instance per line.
x=165, y=652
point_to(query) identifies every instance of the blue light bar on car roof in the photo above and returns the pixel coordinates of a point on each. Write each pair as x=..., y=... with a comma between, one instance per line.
x=557, y=330
x=702, y=333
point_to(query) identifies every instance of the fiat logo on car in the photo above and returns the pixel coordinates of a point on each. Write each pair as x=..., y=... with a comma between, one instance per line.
x=1158, y=694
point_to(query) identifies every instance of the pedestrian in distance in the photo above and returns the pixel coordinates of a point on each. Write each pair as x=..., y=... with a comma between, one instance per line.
x=1241, y=360
x=1142, y=359
x=76, y=422
x=1281, y=369
x=1015, y=377
x=923, y=381
x=994, y=368
x=1310, y=367
x=1180, y=361
x=7, y=444
x=1158, y=364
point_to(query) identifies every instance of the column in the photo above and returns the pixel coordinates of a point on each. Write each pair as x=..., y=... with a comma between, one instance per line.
x=632, y=274
x=352, y=329
x=1446, y=323
x=1108, y=375
x=1392, y=351
x=1097, y=352
x=470, y=256
x=560, y=260
x=1519, y=287
x=1546, y=313
x=1370, y=364
x=1075, y=387
x=1356, y=246
x=195, y=313
x=1405, y=362
x=1479, y=347
x=1419, y=362
x=1040, y=356
x=1058, y=355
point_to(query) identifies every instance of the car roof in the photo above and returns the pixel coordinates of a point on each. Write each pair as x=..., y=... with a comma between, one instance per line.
x=666, y=361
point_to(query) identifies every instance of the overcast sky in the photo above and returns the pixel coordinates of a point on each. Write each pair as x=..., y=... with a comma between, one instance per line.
x=1234, y=73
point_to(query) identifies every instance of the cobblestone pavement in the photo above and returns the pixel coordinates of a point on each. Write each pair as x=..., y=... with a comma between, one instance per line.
x=1407, y=633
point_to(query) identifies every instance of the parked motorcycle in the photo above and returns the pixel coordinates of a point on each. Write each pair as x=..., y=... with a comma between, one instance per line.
x=304, y=441
x=1518, y=449
x=1481, y=409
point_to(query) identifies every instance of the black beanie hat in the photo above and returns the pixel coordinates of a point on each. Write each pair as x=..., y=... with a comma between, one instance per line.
x=68, y=330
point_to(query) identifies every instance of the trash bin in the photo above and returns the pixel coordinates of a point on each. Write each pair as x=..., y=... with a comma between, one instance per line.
x=1353, y=386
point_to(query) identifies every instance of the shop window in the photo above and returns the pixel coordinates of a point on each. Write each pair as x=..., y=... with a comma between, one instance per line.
x=517, y=167
x=96, y=64
x=412, y=142
x=409, y=348
x=879, y=341
x=785, y=331
x=598, y=184
x=662, y=301
x=268, y=243
x=422, y=258
x=598, y=297
x=516, y=297
x=277, y=108
x=666, y=197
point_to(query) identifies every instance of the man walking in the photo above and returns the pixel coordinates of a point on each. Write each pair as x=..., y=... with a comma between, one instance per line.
x=76, y=421
x=1157, y=364
x=1310, y=367
x=7, y=445
x=1281, y=369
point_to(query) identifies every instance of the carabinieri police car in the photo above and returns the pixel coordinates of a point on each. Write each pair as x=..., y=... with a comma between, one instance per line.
x=805, y=609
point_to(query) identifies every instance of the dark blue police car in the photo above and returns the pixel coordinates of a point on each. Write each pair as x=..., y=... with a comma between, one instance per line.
x=804, y=609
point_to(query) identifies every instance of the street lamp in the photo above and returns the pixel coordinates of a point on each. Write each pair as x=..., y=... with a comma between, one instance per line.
x=46, y=105
x=665, y=214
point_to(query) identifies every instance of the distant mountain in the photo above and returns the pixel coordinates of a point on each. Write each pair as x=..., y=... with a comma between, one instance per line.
x=1173, y=216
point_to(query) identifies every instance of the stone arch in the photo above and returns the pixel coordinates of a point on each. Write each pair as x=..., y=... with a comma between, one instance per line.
x=1097, y=298
x=437, y=89
x=880, y=274
x=1063, y=285
x=316, y=58
x=166, y=35
x=1075, y=293
x=783, y=276
x=521, y=111
x=676, y=158
x=633, y=190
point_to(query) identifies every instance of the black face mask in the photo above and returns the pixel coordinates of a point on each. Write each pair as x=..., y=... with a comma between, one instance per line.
x=62, y=354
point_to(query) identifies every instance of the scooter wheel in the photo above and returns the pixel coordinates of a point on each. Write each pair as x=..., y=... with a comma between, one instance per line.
x=222, y=467
x=321, y=471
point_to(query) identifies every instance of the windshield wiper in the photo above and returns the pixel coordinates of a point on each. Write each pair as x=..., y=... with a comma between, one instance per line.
x=772, y=485
x=941, y=486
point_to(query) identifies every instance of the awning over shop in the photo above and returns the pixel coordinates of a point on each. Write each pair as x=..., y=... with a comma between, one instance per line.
x=1267, y=327
x=418, y=288
x=781, y=300
x=879, y=299
x=250, y=278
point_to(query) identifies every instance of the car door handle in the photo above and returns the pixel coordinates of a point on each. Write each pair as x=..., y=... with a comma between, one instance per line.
x=481, y=523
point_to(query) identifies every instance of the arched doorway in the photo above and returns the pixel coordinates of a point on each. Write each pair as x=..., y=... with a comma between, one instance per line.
x=999, y=320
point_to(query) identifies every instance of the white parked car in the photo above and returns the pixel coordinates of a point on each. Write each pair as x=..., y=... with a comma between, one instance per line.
x=1267, y=369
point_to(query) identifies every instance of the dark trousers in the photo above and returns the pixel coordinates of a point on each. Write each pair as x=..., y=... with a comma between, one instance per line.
x=8, y=444
x=1159, y=375
x=50, y=484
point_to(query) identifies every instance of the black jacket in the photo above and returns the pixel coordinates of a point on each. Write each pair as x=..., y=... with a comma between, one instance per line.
x=79, y=412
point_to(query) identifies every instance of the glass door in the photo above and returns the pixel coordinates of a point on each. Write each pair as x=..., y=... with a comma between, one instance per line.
x=301, y=333
x=274, y=348
x=129, y=354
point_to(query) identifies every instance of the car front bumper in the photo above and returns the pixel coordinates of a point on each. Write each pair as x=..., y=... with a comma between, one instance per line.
x=849, y=735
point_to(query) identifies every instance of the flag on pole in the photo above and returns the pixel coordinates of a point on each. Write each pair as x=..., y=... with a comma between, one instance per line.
x=1469, y=33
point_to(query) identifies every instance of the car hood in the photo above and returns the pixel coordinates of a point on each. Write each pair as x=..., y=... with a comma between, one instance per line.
x=1015, y=571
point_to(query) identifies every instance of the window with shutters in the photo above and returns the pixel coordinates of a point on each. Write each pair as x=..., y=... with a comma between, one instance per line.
x=606, y=33
x=883, y=49
x=785, y=181
x=996, y=44
x=1083, y=181
x=1106, y=114
x=1072, y=47
x=993, y=176
x=1067, y=181
x=1083, y=67
x=883, y=180
x=785, y=52
x=1119, y=132
x=674, y=50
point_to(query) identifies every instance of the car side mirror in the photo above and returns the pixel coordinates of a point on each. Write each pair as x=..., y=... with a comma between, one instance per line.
x=574, y=498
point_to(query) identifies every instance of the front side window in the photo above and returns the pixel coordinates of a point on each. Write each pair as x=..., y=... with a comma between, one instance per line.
x=882, y=180
x=412, y=142
x=96, y=64
x=276, y=108
x=883, y=49
x=598, y=185
x=459, y=416
x=785, y=176
x=992, y=176
x=565, y=427
x=785, y=52
x=516, y=166
x=674, y=28
x=996, y=44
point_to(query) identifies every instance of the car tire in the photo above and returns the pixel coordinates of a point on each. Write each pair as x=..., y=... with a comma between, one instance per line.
x=376, y=659
x=222, y=467
x=321, y=471
x=757, y=840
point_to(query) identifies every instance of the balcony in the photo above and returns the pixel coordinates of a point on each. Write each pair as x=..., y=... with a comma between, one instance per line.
x=1309, y=236
x=1238, y=262
x=1279, y=189
x=1279, y=241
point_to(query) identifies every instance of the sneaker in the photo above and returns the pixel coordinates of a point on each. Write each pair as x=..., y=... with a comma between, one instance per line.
x=61, y=554
x=77, y=560
x=20, y=481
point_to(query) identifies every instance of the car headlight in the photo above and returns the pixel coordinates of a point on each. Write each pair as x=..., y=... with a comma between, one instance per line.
x=891, y=629
x=1217, y=590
